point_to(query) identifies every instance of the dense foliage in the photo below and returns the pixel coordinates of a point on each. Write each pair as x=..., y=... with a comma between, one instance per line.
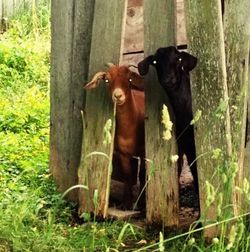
x=33, y=215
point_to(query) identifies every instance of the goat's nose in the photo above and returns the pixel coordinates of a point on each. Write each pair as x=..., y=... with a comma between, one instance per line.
x=117, y=93
x=118, y=96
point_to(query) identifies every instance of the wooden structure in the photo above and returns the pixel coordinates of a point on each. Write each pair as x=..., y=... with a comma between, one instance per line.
x=213, y=128
x=88, y=39
x=237, y=38
x=69, y=70
x=94, y=172
x=163, y=206
x=219, y=90
x=74, y=61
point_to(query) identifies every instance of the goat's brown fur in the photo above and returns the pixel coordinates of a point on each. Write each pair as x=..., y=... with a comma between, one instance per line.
x=129, y=143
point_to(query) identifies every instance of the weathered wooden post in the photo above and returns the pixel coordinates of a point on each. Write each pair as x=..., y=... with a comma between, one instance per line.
x=105, y=47
x=162, y=189
x=236, y=30
x=247, y=147
x=210, y=95
x=71, y=36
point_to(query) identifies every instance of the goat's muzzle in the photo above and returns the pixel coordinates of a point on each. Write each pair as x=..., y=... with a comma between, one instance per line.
x=118, y=96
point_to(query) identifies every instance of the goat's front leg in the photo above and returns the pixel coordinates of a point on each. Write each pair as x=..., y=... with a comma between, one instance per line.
x=128, y=178
x=142, y=194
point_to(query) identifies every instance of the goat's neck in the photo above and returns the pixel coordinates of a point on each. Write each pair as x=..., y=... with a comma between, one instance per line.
x=126, y=117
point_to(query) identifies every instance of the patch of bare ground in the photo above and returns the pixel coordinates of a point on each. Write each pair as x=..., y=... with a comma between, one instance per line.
x=189, y=202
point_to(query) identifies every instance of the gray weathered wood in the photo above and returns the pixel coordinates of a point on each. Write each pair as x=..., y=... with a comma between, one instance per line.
x=134, y=26
x=162, y=190
x=246, y=161
x=132, y=59
x=210, y=95
x=181, y=34
x=247, y=147
x=133, y=39
x=236, y=29
x=106, y=47
x=71, y=35
x=117, y=214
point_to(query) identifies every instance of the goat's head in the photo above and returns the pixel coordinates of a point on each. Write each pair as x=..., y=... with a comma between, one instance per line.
x=169, y=64
x=120, y=80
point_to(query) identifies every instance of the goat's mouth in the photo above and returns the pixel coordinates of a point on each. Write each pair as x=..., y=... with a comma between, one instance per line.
x=169, y=79
x=119, y=101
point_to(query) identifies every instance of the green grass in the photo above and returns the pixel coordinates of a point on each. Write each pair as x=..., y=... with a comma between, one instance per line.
x=33, y=215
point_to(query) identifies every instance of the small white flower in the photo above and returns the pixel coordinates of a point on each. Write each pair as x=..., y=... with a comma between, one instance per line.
x=167, y=123
x=215, y=240
x=191, y=241
x=174, y=158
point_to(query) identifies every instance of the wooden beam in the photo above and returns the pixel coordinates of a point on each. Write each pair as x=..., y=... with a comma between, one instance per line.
x=162, y=190
x=135, y=3
x=210, y=95
x=236, y=30
x=132, y=59
x=133, y=39
x=181, y=34
x=246, y=170
x=71, y=35
x=117, y=214
x=105, y=47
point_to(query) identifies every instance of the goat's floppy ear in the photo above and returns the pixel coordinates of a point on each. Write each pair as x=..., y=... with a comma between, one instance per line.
x=137, y=81
x=95, y=80
x=143, y=66
x=188, y=61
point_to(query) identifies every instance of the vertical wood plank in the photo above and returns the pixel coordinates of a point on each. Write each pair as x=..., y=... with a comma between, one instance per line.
x=133, y=39
x=210, y=95
x=236, y=30
x=106, y=47
x=247, y=146
x=181, y=34
x=162, y=191
x=71, y=35
x=1, y=10
x=245, y=152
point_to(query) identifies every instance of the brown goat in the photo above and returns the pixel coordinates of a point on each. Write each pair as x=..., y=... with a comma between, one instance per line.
x=129, y=143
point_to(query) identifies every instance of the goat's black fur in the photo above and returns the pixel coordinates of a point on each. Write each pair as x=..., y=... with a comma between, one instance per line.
x=173, y=68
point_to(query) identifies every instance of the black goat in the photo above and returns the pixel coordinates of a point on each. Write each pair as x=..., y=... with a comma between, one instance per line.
x=173, y=69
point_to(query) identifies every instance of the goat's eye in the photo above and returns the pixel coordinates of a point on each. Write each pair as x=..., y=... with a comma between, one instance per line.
x=154, y=62
x=130, y=80
x=180, y=59
x=106, y=81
